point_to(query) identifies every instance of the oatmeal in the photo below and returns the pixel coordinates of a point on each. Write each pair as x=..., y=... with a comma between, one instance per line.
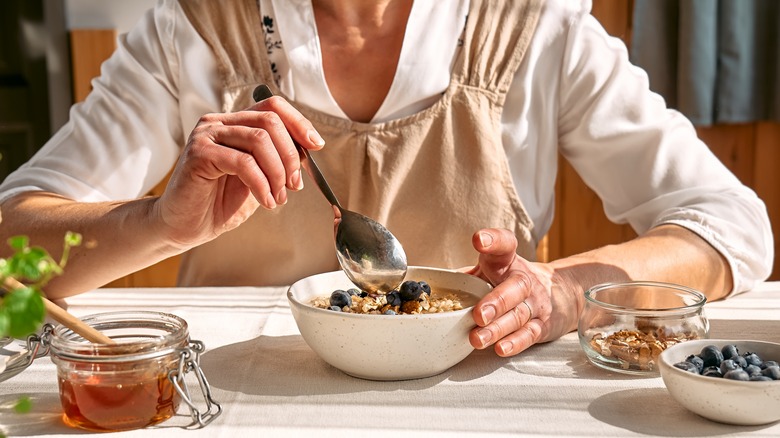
x=412, y=297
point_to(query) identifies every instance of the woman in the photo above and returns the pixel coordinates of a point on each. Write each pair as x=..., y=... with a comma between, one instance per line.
x=443, y=121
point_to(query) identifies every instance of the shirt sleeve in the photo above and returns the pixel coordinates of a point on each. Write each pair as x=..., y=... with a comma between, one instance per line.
x=124, y=138
x=646, y=162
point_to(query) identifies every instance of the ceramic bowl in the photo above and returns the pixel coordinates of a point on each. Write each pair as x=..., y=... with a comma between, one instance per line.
x=624, y=327
x=720, y=399
x=386, y=347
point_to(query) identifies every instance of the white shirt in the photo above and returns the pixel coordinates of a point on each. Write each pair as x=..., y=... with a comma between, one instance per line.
x=575, y=92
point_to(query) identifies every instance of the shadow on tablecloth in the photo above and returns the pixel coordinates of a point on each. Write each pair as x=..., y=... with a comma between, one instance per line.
x=286, y=366
x=652, y=411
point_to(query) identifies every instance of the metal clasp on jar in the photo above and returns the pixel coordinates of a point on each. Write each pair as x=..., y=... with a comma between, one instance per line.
x=189, y=361
x=36, y=346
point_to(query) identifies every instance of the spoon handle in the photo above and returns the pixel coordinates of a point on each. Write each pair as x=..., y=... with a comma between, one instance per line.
x=310, y=166
x=262, y=92
x=63, y=317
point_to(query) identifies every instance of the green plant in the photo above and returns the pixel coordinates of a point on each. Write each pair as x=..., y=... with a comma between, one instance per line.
x=24, y=274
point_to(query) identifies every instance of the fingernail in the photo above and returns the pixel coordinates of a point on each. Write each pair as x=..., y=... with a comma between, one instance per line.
x=488, y=313
x=297, y=180
x=505, y=347
x=485, y=239
x=270, y=202
x=281, y=197
x=315, y=138
x=484, y=336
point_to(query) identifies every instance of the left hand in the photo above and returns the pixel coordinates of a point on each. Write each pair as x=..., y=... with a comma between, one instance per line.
x=519, y=311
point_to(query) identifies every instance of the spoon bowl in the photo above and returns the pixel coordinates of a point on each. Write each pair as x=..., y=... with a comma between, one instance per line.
x=368, y=253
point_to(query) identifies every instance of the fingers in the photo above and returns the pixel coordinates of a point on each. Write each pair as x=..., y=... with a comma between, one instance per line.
x=511, y=332
x=513, y=315
x=299, y=127
x=505, y=297
x=267, y=134
x=271, y=163
x=497, y=248
x=520, y=340
x=210, y=160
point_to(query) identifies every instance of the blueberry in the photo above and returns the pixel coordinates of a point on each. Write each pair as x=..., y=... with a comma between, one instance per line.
x=737, y=375
x=712, y=371
x=752, y=359
x=352, y=292
x=711, y=356
x=740, y=361
x=769, y=363
x=760, y=378
x=729, y=351
x=687, y=366
x=335, y=308
x=697, y=361
x=390, y=312
x=339, y=298
x=771, y=372
x=410, y=290
x=728, y=365
x=425, y=287
x=753, y=370
x=393, y=298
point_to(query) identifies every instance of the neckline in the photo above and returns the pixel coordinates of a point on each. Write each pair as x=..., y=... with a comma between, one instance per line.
x=304, y=54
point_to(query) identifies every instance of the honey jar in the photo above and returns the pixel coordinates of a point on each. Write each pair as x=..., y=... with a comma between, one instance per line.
x=137, y=381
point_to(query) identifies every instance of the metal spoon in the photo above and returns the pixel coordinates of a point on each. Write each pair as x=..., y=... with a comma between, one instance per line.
x=368, y=253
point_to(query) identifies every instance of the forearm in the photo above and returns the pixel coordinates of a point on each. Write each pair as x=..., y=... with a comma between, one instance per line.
x=118, y=237
x=668, y=253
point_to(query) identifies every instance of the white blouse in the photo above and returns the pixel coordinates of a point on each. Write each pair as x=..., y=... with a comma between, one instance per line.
x=575, y=92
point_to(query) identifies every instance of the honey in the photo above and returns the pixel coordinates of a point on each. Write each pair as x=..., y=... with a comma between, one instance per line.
x=127, y=385
x=111, y=405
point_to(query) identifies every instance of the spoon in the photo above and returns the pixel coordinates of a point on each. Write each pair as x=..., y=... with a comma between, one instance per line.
x=368, y=253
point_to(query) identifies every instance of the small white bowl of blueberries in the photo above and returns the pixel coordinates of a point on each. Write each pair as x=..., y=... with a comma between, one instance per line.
x=728, y=381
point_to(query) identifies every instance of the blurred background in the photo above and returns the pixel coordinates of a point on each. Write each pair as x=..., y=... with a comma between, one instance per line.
x=717, y=61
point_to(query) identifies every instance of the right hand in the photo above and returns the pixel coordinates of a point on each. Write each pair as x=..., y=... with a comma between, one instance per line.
x=232, y=164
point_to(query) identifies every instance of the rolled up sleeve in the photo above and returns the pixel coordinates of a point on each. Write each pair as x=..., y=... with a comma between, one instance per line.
x=124, y=138
x=646, y=162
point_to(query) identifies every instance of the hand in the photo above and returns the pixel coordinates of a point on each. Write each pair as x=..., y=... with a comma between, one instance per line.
x=525, y=307
x=232, y=164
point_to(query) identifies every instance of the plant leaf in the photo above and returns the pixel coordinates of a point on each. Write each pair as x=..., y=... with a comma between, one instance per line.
x=72, y=239
x=23, y=405
x=5, y=321
x=18, y=242
x=26, y=311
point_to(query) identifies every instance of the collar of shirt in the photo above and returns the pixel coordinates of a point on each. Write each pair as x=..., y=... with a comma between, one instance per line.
x=423, y=72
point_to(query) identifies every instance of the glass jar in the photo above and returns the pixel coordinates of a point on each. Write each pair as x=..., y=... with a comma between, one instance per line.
x=134, y=383
x=624, y=327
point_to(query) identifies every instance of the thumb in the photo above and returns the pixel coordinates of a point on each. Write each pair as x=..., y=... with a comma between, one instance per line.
x=497, y=251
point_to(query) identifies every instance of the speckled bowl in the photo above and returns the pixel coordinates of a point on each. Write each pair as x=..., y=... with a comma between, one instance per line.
x=386, y=347
x=719, y=399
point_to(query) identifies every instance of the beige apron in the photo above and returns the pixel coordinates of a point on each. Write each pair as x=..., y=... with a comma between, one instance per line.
x=433, y=178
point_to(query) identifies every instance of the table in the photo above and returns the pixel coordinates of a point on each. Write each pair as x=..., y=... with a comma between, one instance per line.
x=271, y=384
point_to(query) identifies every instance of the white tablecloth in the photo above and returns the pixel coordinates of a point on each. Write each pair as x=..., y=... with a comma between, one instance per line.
x=271, y=384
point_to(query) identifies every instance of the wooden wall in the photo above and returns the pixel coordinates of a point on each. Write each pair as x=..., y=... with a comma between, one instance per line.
x=751, y=151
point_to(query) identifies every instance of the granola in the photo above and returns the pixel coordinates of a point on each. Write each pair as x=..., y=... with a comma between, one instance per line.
x=437, y=301
x=638, y=349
